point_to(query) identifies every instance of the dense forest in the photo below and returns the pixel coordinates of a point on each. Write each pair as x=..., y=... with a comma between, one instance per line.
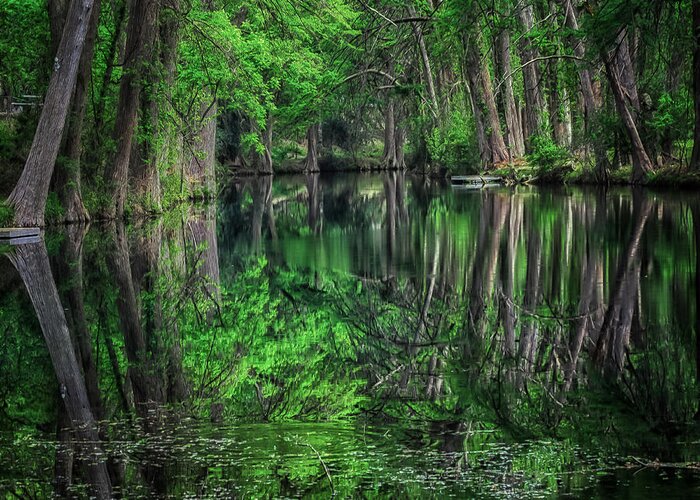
x=126, y=107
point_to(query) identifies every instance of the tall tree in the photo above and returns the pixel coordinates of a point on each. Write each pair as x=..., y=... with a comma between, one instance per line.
x=29, y=195
x=139, y=38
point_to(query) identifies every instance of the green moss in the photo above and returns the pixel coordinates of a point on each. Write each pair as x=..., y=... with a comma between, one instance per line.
x=6, y=214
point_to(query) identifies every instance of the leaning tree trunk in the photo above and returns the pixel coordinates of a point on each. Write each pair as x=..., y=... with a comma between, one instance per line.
x=312, y=140
x=140, y=31
x=641, y=164
x=32, y=264
x=695, y=159
x=534, y=103
x=514, y=131
x=67, y=176
x=29, y=195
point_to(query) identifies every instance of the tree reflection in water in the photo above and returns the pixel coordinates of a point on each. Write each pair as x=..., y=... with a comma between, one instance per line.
x=513, y=339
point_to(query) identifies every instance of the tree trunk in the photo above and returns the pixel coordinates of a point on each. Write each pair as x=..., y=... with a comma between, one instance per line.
x=141, y=29
x=641, y=164
x=427, y=71
x=389, y=155
x=514, y=132
x=484, y=103
x=695, y=158
x=312, y=140
x=202, y=171
x=534, y=103
x=264, y=159
x=32, y=264
x=29, y=195
x=67, y=176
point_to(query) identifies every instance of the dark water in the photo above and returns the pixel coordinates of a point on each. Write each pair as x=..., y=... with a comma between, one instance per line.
x=363, y=335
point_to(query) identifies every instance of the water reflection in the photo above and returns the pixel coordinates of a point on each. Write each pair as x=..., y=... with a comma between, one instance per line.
x=501, y=341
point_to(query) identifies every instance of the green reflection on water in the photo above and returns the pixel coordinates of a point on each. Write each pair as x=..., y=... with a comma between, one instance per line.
x=376, y=335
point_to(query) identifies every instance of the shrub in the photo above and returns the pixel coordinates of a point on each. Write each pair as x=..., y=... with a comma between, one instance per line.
x=548, y=158
x=454, y=145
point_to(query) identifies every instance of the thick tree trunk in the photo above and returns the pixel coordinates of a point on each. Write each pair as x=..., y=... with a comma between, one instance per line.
x=399, y=142
x=141, y=29
x=514, y=132
x=67, y=176
x=32, y=264
x=641, y=164
x=534, y=103
x=312, y=141
x=695, y=158
x=29, y=195
x=484, y=103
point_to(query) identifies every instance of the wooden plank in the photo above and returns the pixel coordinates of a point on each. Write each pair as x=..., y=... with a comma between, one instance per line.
x=8, y=233
x=22, y=241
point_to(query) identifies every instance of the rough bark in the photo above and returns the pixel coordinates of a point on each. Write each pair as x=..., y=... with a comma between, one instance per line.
x=29, y=195
x=514, y=131
x=141, y=29
x=32, y=264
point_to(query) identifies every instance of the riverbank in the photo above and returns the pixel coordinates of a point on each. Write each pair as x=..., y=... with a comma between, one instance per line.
x=526, y=173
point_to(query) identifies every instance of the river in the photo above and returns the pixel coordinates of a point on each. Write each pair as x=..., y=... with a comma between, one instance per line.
x=368, y=335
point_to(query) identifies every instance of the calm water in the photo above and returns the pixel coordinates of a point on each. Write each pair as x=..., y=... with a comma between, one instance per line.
x=363, y=336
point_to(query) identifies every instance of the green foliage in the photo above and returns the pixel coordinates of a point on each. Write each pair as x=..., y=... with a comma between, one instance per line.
x=453, y=146
x=54, y=210
x=546, y=156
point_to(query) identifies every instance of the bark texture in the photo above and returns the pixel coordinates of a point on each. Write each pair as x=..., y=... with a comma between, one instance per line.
x=29, y=195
